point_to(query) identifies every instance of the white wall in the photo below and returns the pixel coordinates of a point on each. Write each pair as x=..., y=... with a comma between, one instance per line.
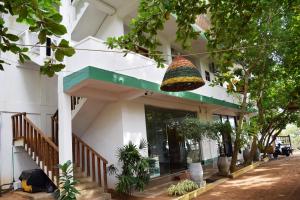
x=23, y=89
x=105, y=135
x=134, y=123
x=12, y=163
x=111, y=27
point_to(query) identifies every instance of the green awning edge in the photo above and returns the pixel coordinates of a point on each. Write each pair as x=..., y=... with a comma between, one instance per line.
x=94, y=73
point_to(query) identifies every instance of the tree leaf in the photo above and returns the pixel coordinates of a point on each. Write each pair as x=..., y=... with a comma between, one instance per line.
x=42, y=36
x=12, y=37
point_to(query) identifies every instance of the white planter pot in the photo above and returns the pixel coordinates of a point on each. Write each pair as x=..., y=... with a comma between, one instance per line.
x=196, y=172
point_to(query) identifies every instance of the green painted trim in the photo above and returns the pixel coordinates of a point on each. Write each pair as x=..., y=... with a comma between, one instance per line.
x=93, y=73
x=209, y=161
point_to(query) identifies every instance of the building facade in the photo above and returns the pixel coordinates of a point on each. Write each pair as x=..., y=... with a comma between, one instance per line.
x=120, y=99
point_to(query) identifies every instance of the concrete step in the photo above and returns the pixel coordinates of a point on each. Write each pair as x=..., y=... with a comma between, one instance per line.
x=79, y=175
x=104, y=196
x=84, y=179
x=88, y=185
x=91, y=194
x=36, y=196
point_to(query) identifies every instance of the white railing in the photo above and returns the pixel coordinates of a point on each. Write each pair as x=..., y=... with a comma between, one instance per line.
x=30, y=38
x=37, y=52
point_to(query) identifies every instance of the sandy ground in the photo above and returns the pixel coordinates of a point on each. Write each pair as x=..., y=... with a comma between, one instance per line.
x=275, y=180
x=11, y=196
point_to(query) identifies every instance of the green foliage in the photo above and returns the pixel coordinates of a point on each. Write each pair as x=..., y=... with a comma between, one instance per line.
x=67, y=183
x=194, y=129
x=152, y=15
x=220, y=130
x=182, y=188
x=225, y=128
x=43, y=18
x=135, y=169
x=257, y=45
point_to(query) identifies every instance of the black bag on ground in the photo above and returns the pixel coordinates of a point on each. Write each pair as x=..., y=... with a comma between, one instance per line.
x=37, y=181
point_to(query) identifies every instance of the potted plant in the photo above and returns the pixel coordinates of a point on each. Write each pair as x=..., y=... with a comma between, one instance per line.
x=220, y=130
x=193, y=130
x=134, y=172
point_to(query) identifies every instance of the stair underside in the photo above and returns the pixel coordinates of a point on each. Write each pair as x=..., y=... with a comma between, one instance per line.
x=20, y=143
x=89, y=190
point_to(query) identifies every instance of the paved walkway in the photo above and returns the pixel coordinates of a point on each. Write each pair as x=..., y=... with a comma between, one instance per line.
x=275, y=180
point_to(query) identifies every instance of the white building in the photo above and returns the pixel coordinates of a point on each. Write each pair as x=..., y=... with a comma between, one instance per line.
x=120, y=99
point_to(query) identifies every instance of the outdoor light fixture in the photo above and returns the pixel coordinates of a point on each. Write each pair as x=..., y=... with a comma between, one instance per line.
x=181, y=75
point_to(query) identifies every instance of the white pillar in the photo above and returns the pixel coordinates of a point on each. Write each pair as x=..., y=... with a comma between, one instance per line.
x=64, y=100
x=65, y=123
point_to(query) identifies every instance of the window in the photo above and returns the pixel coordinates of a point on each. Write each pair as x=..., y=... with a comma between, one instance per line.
x=226, y=139
x=207, y=76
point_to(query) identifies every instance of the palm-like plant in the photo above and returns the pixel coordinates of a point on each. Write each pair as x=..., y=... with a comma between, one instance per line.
x=135, y=169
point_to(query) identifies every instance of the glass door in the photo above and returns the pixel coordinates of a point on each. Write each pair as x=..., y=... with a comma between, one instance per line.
x=177, y=151
x=166, y=148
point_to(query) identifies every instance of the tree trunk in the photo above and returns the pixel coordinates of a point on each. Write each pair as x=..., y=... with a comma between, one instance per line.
x=234, y=156
x=240, y=124
x=252, y=151
x=266, y=145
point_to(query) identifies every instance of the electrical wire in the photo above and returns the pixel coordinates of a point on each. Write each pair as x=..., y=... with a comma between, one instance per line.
x=145, y=66
x=161, y=54
x=136, y=67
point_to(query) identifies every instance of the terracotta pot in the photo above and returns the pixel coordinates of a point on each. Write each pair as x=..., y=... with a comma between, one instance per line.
x=185, y=175
x=196, y=172
x=223, y=166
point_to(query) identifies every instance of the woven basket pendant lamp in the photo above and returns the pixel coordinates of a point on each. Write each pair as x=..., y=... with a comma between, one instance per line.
x=181, y=75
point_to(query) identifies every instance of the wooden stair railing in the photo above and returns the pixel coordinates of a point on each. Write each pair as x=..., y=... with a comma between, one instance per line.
x=54, y=119
x=37, y=144
x=90, y=162
x=54, y=127
x=74, y=102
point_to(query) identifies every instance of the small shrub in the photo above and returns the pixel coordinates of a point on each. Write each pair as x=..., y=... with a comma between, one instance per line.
x=182, y=188
x=67, y=183
x=134, y=174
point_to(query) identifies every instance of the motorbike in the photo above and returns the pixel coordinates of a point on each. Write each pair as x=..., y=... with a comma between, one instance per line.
x=279, y=150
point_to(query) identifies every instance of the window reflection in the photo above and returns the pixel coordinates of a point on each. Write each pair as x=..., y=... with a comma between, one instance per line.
x=168, y=151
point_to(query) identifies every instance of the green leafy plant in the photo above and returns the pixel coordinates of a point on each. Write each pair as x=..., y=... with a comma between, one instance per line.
x=221, y=130
x=67, y=183
x=182, y=188
x=193, y=129
x=43, y=18
x=134, y=171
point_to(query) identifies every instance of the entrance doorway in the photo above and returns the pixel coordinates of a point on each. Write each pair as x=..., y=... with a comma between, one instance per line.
x=167, y=149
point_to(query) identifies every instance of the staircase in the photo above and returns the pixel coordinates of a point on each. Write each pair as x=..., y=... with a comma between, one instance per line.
x=89, y=166
x=39, y=147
